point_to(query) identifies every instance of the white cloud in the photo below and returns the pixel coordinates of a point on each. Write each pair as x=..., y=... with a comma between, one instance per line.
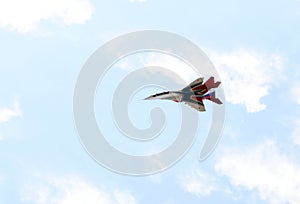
x=125, y=64
x=6, y=114
x=25, y=16
x=198, y=182
x=295, y=93
x=264, y=169
x=170, y=63
x=247, y=76
x=124, y=197
x=296, y=133
x=173, y=64
x=72, y=190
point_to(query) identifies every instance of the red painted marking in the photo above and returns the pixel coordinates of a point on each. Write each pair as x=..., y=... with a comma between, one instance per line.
x=201, y=87
x=209, y=84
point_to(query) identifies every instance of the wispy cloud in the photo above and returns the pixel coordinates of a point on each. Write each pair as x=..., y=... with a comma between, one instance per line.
x=295, y=92
x=71, y=190
x=6, y=114
x=198, y=182
x=25, y=16
x=173, y=64
x=170, y=63
x=124, y=197
x=262, y=168
x=296, y=133
x=247, y=75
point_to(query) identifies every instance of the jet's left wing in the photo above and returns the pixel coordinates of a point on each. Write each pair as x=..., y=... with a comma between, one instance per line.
x=199, y=106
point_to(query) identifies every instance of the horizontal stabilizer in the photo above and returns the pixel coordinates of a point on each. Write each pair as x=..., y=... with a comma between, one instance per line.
x=216, y=100
x=212, y=97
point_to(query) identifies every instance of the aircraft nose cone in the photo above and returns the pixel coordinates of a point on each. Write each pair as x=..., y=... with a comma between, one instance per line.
x=149, y=98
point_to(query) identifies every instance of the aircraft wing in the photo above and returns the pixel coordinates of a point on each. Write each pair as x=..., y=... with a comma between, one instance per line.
x=199, y=106
x=195, y=83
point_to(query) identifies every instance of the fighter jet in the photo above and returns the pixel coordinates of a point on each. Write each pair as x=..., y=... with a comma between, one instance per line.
x=193, y=95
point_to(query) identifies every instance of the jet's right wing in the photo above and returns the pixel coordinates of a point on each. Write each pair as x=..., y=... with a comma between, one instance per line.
x=195, y=83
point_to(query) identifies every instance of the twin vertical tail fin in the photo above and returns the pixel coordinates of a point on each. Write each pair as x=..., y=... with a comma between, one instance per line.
x=198, y=86
x=211, y=84
x=212, y=97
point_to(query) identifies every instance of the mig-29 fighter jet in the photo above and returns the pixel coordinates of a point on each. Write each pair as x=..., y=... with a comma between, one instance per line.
x=193, y=94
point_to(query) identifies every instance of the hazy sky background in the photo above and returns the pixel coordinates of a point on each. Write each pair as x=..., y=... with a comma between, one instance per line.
x=254, y=45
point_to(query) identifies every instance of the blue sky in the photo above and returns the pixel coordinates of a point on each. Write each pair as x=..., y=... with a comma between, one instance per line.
x=254, y=45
